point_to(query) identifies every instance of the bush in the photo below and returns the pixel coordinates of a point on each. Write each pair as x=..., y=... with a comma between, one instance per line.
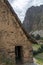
x=37, y=37
x=40, y=50
x=35, y=53
x=41, y=38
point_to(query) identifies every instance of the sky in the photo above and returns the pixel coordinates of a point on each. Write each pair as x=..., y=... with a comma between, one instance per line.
x=21, y=6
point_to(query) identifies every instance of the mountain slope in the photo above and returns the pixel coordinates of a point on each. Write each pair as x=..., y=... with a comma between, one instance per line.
x=34, y=19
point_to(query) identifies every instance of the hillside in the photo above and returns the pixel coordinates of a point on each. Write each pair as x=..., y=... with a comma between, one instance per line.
x=34, y=19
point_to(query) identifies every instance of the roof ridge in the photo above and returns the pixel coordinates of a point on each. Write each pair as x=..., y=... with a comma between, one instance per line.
x=16, y=17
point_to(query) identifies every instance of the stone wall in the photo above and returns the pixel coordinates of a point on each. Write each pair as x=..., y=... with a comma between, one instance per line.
x=11, y=35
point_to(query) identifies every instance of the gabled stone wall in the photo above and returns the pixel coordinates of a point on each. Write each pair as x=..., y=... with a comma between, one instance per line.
x=12, y=35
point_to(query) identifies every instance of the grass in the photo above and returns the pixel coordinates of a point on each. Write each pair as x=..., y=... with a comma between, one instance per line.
x=39, y=62
x=39, y=56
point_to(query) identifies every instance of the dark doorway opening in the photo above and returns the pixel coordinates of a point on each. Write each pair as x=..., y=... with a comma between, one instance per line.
x=18, y=54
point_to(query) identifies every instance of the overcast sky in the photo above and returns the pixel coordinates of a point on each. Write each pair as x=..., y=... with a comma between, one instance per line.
x=20, y=6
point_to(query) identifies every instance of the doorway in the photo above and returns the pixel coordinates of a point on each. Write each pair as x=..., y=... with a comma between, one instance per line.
x=18, y=53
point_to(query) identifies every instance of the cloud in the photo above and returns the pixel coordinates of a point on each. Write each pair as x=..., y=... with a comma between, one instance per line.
x=37, y=2
x=20, y=6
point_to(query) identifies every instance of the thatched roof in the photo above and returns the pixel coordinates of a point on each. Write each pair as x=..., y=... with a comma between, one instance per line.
x=18, y=20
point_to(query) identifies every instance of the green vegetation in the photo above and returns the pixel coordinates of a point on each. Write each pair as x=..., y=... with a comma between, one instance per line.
x=39, y=58
x=38, y=50
x=41, y=38
x=37, y=37
x=36, y=47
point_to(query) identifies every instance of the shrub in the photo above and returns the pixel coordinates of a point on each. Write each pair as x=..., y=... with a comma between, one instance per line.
x=40, y=50
x=37, y=37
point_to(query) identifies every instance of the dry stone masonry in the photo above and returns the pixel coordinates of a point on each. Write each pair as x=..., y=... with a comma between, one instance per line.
x=13, y=41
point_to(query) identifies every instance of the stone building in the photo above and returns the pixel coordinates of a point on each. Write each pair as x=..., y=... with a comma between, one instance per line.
x=14, y=40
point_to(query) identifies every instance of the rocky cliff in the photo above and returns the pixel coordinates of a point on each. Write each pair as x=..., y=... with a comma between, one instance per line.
x=34, y=19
